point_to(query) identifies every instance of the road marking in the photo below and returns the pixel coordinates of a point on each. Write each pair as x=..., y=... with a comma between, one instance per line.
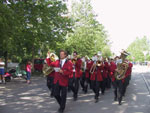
x=146, y=82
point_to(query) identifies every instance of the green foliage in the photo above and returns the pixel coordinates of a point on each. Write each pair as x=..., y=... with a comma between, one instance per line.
x=88, y=35
x=27, y=26
x=138, y=47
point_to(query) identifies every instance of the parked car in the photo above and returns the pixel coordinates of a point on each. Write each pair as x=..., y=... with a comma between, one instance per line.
x=38, y=64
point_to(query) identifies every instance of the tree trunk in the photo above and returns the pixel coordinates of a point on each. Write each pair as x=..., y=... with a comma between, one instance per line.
x=33, y=54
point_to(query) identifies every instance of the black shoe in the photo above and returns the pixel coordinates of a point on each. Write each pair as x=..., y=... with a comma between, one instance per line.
x=115, y=99
x=75, y=97
x=96, y=100
x=51, y=95
x=85, y=91
x=120, y=103
x=60, y=110
x=119, y=100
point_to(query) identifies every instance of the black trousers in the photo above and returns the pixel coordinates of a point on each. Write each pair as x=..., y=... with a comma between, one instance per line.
x=118, y=89
x=60, y=93
x=70, y=85
x=108, y=82
x=125, y=85
x=50, y=84
x=74, y=85
x=84, y=82
x=95, y=87
x=102, y=86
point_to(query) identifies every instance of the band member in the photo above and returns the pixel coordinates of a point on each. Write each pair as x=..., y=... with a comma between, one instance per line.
x=119, y=75
x=112, y=68
x=77, y=63
x=89, y=64
x=97, y=79
x=130, y=71
x=82, y=79
x=127, y=77
x=50, y=77
x=105, y=74
x=70, y=85
x=109, y=74
x=63, y=68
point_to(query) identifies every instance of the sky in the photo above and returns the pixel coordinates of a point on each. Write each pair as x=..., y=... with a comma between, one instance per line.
x=124, y=20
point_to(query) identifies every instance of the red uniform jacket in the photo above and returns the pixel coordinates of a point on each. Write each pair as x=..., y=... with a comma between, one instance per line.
x=88, y=67
x=62, y=79
x=105, y=70
x=129, y=70
x=71, y=75
x=112, y=70
x=97, y=74
x=78, y=71
x=52, y=73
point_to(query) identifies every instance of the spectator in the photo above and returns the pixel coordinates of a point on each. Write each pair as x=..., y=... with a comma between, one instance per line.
x=28, y=69
x=2, y=71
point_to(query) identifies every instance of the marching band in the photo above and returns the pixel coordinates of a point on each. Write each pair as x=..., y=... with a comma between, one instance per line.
x=98, y=73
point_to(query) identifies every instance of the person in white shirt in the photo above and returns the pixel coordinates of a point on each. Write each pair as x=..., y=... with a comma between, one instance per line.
x=2, y=71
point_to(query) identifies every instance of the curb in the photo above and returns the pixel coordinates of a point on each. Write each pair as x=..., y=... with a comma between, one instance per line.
x=146, y=83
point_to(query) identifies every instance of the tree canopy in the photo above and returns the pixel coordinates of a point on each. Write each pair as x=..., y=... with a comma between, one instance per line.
x=88, y=36
x=27, y=26
x=137, y=49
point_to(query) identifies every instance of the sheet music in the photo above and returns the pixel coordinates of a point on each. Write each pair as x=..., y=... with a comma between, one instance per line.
x=56, y=69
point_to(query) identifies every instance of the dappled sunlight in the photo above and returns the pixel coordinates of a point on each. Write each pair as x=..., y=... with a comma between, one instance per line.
x=24, y=98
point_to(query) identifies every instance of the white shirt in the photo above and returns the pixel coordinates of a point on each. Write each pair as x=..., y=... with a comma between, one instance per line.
x=2, y=64
x=63, y=62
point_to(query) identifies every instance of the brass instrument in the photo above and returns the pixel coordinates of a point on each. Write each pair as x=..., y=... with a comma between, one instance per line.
x=83, y=66
x=98, y=63
x=122, y=67
x=48, y=69
x=74, y=60
x=93, y=68
x=121, y=70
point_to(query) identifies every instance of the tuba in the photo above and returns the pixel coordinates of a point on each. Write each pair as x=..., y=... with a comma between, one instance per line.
x=49, y=69
x=122, y=66
x=121, y=70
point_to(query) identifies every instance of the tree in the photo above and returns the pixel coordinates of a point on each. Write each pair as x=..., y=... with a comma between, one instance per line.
x=88, y=35
x=27, y=26
x=137, y=47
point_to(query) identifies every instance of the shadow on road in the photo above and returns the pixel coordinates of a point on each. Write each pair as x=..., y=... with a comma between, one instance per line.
x=19, y=97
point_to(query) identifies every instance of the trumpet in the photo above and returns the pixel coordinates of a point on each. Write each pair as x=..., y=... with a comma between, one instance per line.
x=93, y=68
x=97, y=64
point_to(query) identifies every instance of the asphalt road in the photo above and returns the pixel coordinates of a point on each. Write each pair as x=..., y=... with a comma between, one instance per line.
x=19, y=97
